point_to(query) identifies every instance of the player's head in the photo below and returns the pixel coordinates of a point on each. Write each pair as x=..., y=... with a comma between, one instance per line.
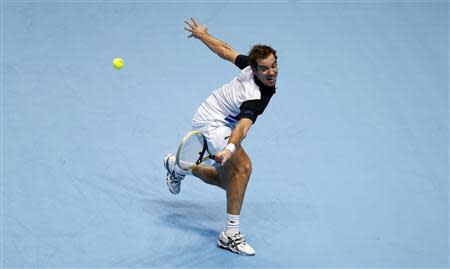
x=263, y=60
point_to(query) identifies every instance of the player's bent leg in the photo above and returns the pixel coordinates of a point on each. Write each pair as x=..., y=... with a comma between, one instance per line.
x=208, y=174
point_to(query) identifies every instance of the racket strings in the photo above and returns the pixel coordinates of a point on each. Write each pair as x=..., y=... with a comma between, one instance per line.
x=192, y=151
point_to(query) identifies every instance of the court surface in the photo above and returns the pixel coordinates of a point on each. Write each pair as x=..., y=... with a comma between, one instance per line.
x=351, y=164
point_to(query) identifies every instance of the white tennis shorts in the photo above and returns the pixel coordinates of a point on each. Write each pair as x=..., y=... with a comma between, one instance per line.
x=216, y=135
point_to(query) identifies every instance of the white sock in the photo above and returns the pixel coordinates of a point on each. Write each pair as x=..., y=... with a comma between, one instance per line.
x=183, y=172
x=180, y=171
x=232, y=225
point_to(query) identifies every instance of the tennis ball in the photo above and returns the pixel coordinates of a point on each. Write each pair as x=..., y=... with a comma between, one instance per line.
x=118, y=63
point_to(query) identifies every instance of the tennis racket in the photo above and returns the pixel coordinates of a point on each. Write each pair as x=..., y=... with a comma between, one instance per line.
x=193, y=150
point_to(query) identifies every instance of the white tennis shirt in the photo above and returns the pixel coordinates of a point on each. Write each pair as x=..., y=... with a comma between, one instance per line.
x=242, y=97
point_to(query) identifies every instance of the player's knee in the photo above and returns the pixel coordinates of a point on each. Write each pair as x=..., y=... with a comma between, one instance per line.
x=245, y=167
x=242, y=165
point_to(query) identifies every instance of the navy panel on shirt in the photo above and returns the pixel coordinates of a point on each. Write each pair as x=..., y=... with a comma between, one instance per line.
x=242, y=61
x=251, y=109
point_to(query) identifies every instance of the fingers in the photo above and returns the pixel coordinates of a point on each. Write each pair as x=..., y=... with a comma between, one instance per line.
x=193, y=25
x=223, y=157
x=190, y=25
x=189, y=30
x=194, y=21
x=224, y=161
x=220, y=158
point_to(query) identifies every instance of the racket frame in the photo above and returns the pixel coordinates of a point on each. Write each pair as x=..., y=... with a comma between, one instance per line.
x=201, y=154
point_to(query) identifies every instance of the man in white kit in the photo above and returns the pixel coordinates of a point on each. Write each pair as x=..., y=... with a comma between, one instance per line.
x=225, y=118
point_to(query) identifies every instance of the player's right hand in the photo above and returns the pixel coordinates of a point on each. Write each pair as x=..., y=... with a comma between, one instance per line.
x=223, y=156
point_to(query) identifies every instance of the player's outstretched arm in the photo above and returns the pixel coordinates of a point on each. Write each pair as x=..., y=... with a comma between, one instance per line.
x=219, y=47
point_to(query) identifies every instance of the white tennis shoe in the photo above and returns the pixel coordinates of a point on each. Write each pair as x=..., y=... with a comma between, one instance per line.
x=173, y=178
x=236, y=243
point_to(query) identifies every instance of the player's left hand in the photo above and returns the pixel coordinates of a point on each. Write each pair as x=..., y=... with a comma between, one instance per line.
x=195, y=28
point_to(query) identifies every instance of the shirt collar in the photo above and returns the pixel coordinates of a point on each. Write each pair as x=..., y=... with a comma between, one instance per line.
x=263, y=88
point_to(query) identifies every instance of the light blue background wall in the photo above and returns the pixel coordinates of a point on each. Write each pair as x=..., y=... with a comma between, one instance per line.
x=350, y=158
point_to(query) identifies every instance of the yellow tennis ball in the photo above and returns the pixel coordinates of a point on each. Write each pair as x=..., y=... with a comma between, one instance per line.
x=118, y=63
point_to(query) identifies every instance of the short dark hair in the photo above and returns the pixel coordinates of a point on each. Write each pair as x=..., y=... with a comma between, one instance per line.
x=259, y=52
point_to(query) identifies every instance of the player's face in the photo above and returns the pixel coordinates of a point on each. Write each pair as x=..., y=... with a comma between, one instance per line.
x=267, y=71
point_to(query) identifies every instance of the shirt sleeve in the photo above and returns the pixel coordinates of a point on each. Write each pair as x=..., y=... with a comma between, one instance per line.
x=251, y=109
x=242, y=61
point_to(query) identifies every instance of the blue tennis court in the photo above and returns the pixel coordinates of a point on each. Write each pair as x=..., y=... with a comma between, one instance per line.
x=350, y=159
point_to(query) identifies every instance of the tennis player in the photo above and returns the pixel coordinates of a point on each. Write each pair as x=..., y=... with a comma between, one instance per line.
x=225, y=118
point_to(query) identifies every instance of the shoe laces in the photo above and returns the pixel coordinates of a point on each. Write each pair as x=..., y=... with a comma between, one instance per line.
x=176, y=178
x=238, y=238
